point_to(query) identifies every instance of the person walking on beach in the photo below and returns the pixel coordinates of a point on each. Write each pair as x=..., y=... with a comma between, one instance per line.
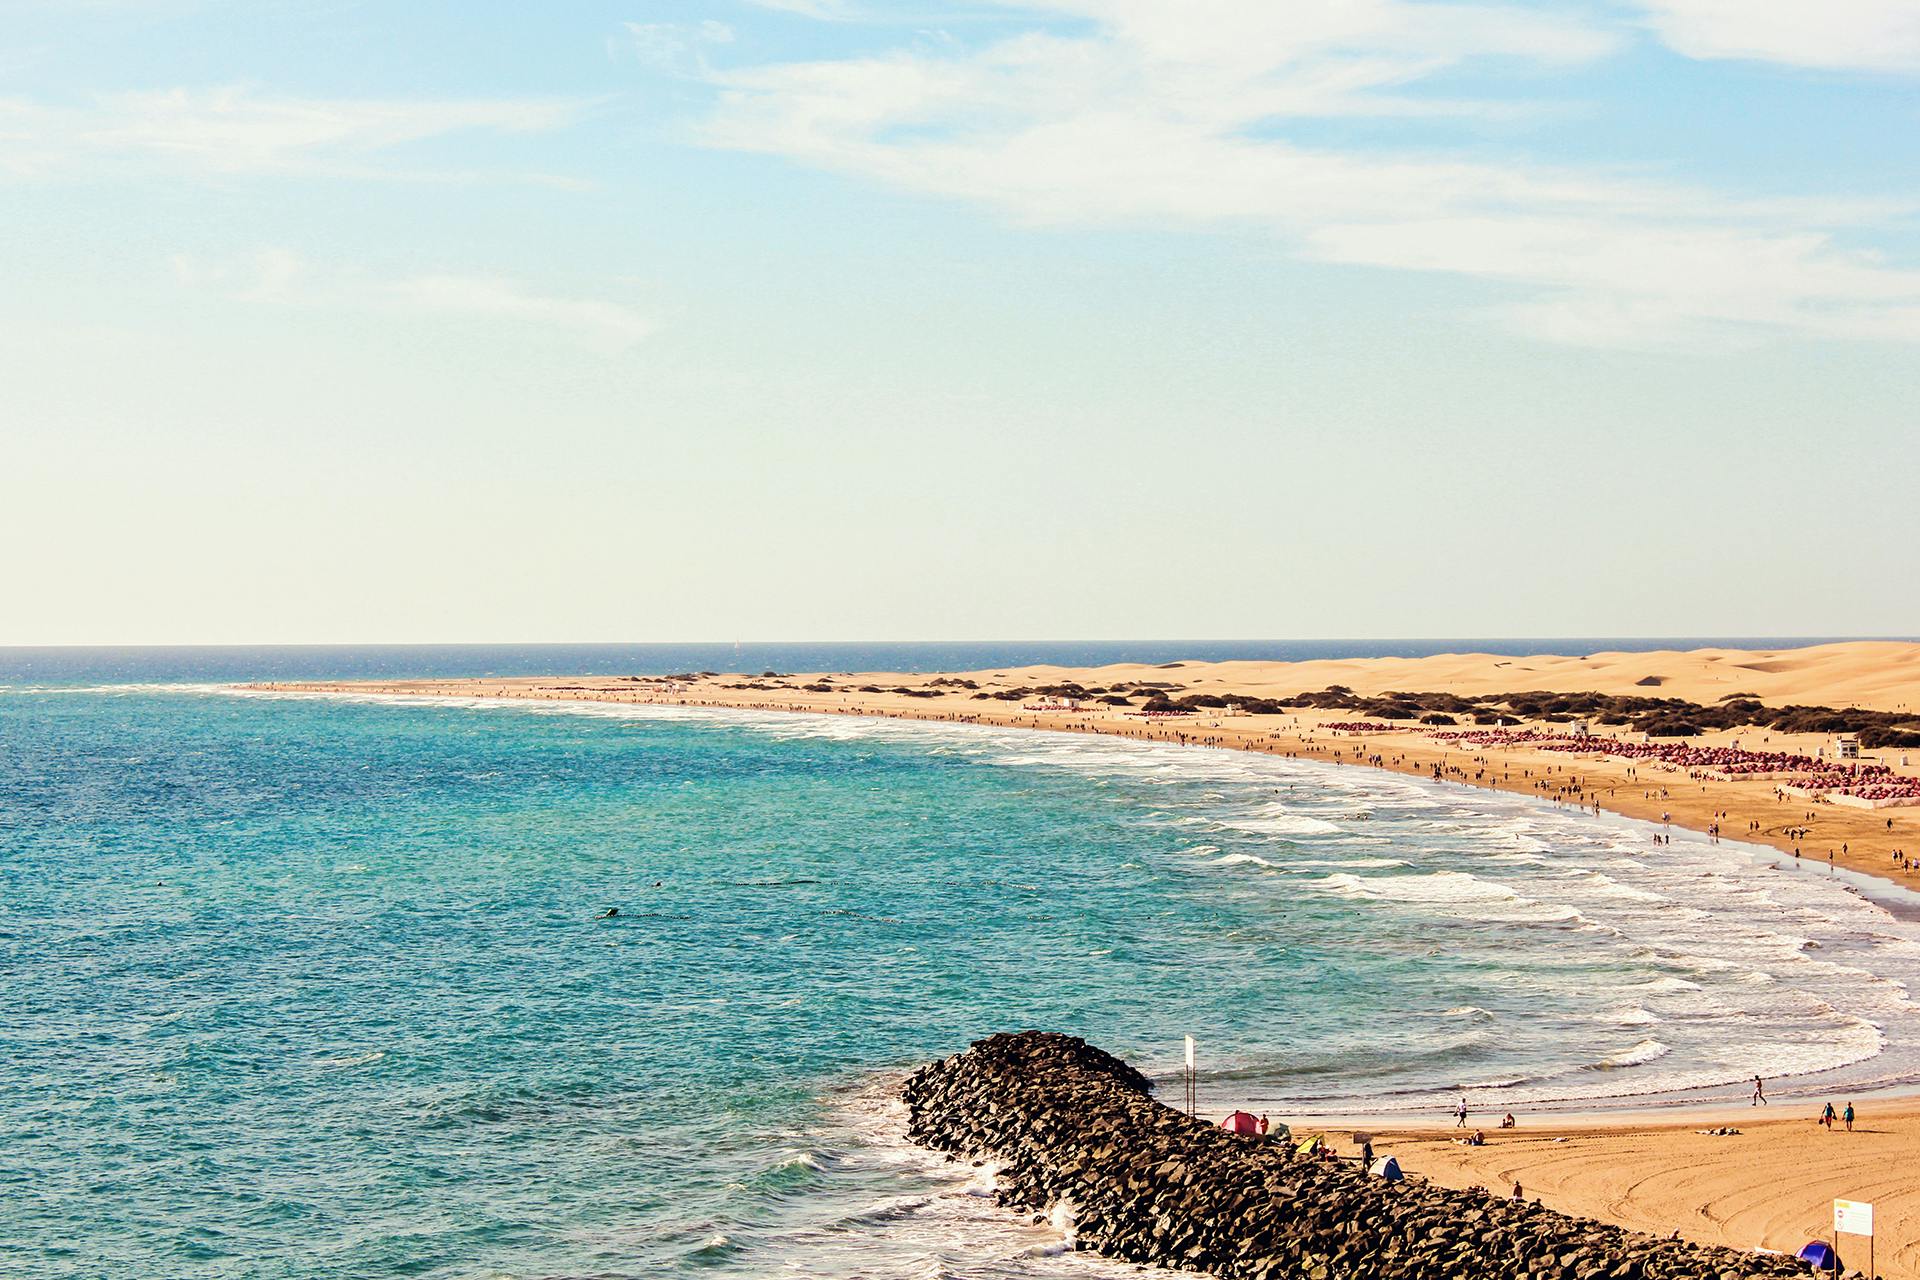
x=1826, y=1116
x=1460, y=1113
x=1759, y=1092
x=1847, y=1115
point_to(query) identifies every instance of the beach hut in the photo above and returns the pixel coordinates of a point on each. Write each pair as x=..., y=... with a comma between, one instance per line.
x=1389, y=1168
x=1819, y=1255
x=1242, y=1123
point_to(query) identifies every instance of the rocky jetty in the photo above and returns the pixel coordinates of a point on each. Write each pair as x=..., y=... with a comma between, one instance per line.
x=1066, y=1122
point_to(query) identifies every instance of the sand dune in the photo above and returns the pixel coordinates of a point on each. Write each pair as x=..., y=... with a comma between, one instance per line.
x=1878, y=674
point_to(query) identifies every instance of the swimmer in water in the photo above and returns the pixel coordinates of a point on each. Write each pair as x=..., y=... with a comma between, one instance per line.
x=608, y=914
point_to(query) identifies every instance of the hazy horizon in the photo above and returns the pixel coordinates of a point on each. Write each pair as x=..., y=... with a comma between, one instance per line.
x=28, y=667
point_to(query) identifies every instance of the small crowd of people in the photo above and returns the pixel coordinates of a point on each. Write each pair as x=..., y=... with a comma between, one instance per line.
x=1827, y=1118
x=1810, y=773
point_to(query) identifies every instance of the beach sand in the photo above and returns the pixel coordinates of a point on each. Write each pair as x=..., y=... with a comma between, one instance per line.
x=1770, y=1186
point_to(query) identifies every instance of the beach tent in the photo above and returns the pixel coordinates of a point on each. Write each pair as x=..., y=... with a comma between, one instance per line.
x=1387, y=1167
x=1241, y=1122
x=1308, y=1147
x=1820, y=1255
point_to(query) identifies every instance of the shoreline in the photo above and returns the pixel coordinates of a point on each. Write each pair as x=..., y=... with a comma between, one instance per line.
x=1863, y=841
x=1656, y=1108
x=1642, y=1164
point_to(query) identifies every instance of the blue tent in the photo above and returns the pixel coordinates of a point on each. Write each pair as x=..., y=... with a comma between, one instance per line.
x=1820, y=1255
x=1387, y=1167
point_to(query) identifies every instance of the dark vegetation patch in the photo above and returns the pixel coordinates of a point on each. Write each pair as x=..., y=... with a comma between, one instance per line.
x=1661, y=717
x=1077, y=692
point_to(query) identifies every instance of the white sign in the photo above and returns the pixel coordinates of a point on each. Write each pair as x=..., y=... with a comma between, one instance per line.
x=1190, y=1064
x=1855, y=1217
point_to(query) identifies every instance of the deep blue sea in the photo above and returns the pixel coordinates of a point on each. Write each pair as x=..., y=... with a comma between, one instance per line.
x=314, y=986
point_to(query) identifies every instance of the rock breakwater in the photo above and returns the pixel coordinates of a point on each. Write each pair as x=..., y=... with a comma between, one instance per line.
x=1068, y=1123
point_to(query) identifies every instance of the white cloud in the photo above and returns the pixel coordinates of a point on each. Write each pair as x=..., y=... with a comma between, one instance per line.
x=610, y=326
x=1178, y=115
x=1869, y=35
x=675, y=44
x=1608, y=282
x=281, y=277
x=819, y=10
x=235, y=129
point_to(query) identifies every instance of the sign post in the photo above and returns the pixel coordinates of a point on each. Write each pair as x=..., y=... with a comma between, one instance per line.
x=1855, y=1218
x=1189, y=1075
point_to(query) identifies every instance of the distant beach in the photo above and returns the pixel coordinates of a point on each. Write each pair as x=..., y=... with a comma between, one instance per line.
x=1874, y=676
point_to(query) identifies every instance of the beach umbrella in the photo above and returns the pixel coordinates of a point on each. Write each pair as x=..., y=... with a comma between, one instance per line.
x=1819, y=1255
x=1241, y=1122
x=1387, y=1167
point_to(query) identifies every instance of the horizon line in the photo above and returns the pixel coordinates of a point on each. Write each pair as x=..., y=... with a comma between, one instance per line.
x=1790, y=640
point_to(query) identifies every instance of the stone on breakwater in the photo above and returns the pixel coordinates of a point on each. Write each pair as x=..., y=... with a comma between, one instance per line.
x=1069, y=1122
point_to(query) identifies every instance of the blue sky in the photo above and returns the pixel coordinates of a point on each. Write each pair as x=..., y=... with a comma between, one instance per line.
x=1089, y=318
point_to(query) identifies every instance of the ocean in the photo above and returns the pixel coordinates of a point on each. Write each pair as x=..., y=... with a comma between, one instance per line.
x=85, y=665
x=315, y=986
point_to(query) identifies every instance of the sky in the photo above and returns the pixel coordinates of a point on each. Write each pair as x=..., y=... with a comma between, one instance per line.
x=325, y=321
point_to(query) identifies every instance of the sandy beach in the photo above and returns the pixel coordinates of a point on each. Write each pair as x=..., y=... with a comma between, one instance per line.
x=1769, y=1186
x=1772, y=1185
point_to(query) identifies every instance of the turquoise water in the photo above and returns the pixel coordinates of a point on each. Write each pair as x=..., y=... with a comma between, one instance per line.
x=314, y=987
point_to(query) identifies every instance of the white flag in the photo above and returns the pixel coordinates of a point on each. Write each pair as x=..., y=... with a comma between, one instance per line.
x=1189, y=1053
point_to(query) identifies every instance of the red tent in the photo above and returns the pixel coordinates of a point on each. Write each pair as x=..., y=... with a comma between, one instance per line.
x=1241, y=1122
